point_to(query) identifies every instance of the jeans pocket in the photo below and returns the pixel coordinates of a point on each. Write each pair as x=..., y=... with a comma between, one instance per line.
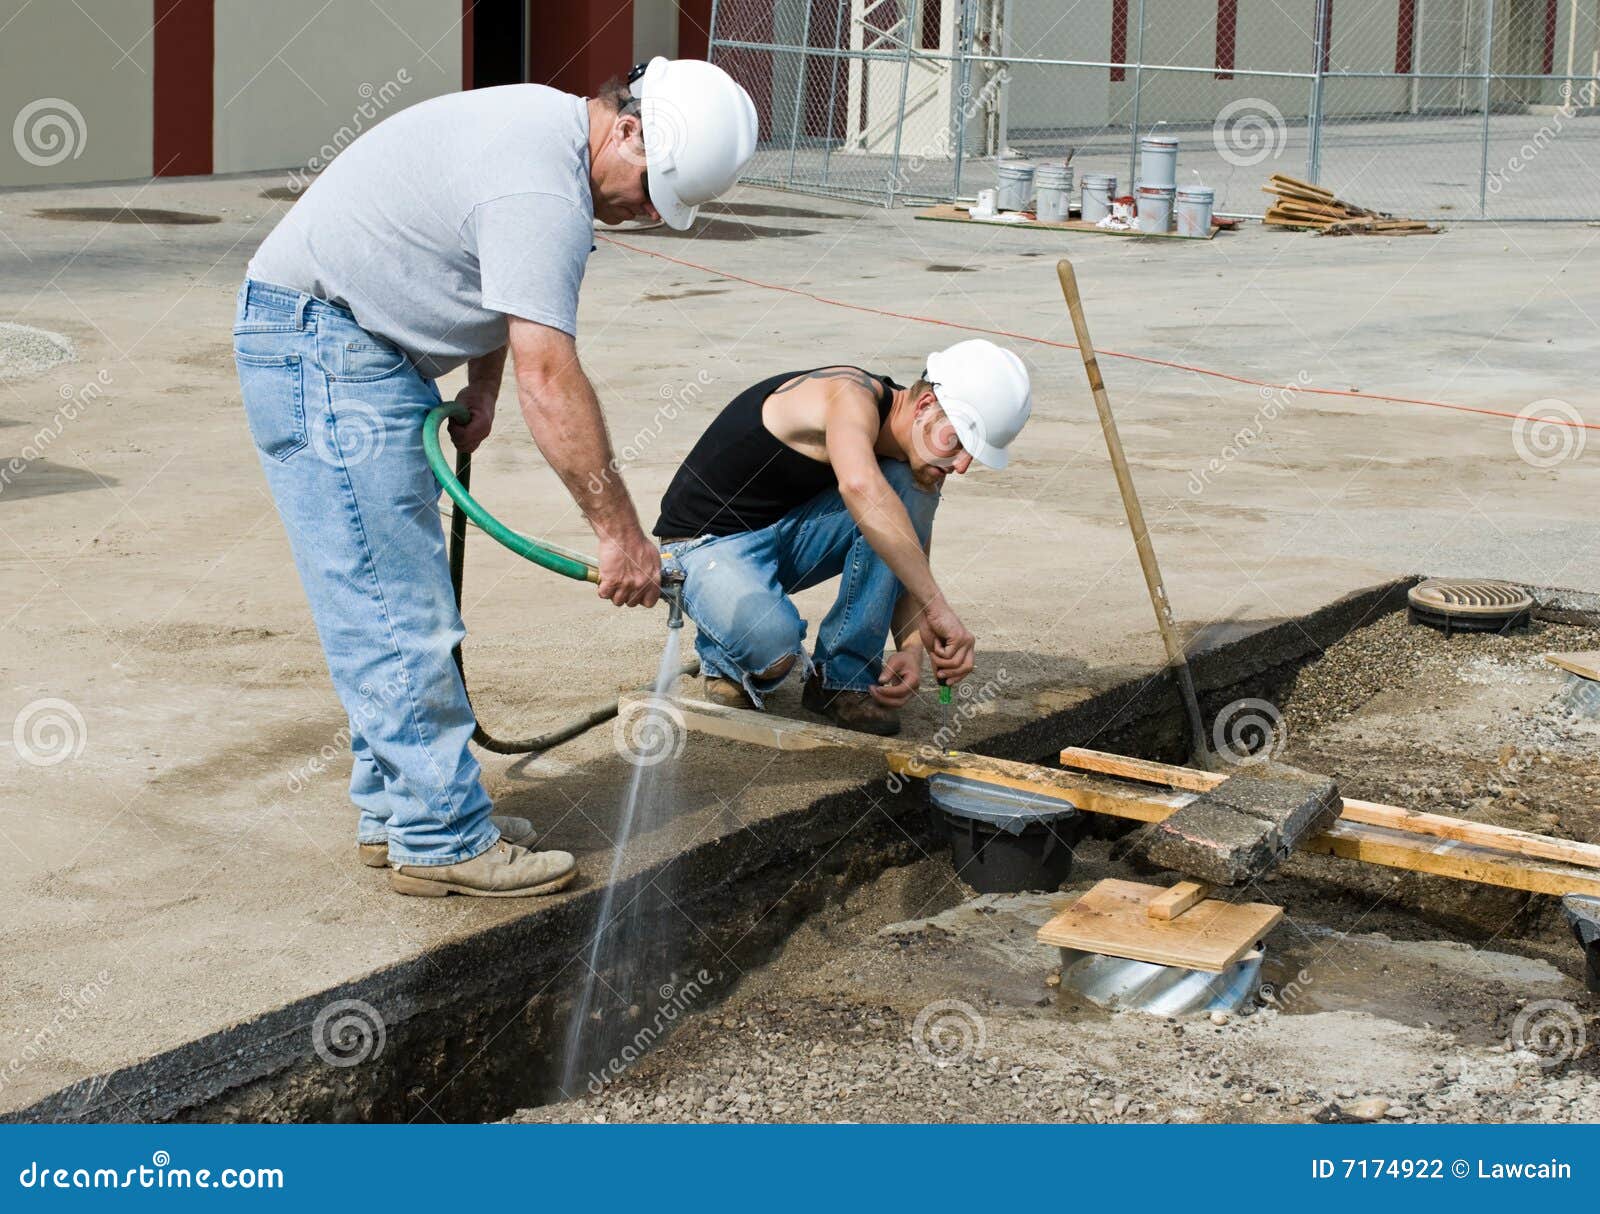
x=273, y=389
x=360, y=359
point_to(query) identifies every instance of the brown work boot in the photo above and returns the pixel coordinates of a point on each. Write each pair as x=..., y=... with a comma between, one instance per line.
x=727, y=693
x=518, y=832
x=503, y=871
x=851, y=709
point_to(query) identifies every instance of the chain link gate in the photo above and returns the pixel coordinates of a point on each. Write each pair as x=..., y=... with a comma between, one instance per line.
x=1441, y=109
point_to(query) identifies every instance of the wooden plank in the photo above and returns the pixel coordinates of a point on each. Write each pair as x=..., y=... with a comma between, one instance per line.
x=947, y=213
x=765, y=728
x=1174, y=901
x=1114, y=918
x=1349, y=839
x=1370, y=813
x=1585, y=664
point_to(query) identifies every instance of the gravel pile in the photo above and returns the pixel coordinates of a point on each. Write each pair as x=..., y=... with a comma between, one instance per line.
x=26, y=351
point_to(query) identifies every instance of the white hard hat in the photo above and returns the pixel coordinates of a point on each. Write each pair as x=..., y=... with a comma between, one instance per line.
x=983, y=390
x=699, y=131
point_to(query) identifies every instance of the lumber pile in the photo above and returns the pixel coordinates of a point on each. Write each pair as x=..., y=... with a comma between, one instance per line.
x=1303, y=205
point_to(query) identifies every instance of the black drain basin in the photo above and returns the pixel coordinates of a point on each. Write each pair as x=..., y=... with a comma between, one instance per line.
x=1004, y=840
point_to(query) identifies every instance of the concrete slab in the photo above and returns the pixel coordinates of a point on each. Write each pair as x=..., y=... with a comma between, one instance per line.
x=185, y=870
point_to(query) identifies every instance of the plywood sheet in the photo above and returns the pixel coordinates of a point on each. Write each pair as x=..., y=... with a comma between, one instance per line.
x=1114, y=918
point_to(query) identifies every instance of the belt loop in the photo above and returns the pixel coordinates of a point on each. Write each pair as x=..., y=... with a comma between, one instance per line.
x=300, y=311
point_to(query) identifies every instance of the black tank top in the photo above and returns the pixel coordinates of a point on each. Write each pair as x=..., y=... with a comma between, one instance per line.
x=739, y=477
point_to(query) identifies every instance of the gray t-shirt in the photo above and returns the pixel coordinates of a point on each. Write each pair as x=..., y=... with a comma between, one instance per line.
x=446, y=218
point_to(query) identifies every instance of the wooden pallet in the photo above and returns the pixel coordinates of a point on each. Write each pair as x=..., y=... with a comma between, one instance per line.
x=1115, y=918
x=947, y=213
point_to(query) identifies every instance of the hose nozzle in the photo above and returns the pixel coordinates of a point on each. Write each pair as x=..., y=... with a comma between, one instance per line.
x=672, y=592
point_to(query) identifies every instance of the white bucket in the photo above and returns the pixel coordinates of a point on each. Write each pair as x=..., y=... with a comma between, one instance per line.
x=1155, y=207
x=1053, y=184
x=1193, y=209
x=1158, y=160
x=1014, y=184
x=1098, y=191
x=985, y=205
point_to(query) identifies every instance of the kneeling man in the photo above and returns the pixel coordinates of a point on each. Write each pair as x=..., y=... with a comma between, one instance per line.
x=835, y=472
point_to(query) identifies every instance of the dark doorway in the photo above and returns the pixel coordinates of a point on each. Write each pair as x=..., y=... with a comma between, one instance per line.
x=499, y=42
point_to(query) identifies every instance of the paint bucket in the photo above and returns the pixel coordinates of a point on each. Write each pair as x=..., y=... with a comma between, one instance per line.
x=1158, y=160
x=1098, y=191
x=1193, y=208
x=1014, y=184
x=1004, y=840
x=1053, y=184
x=985, y=205
x=1155, y=207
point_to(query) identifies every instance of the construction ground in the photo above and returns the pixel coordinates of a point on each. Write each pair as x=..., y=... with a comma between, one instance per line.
x=183, y=904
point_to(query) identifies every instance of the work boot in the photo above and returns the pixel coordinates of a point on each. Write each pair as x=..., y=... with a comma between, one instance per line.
x=518, y=832
x=503, y=871
x=852, y=709
x=727, y=693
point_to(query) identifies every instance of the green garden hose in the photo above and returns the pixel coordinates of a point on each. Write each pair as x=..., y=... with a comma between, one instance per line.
x=570, y=564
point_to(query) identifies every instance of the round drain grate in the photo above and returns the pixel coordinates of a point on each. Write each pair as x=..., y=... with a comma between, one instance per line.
x=1470, y=604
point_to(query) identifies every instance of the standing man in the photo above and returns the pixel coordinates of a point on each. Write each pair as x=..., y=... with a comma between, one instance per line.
x=835, y=473
x=450, y=233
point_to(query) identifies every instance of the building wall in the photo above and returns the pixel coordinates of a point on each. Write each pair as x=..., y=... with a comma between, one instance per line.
x=79, y=79
x=296, y=78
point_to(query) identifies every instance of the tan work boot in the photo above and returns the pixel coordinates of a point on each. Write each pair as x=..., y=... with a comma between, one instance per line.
x=727, y=693
x=503, y=871
x=518, y=832
x=851, y=709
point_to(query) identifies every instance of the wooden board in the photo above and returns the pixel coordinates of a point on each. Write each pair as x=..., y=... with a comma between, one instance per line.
x=1370, y=813
x=1114, y=918
x=1176, y=900
x=1585, y=664
x=947, y=213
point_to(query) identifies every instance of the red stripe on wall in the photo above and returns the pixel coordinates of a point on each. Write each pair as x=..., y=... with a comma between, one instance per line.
x=1227, y=32
x=694, y=28
x=1549, y=36
x=1405, y=37
x=1119, y=38
x=185, y=50
x=578, y=45
x=466, y=42
x=1327, y=34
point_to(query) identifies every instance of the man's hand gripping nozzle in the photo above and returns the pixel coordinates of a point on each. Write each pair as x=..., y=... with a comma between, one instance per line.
x=672, y=592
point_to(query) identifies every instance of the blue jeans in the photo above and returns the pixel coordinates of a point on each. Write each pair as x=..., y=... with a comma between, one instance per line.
x=736, y=590
x=336, y=415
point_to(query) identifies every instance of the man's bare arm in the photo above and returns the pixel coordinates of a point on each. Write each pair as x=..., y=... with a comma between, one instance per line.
x=479, y=396
x=563, y=415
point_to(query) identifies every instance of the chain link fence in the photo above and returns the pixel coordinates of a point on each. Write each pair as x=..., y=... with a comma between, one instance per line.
x=1464, y=109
